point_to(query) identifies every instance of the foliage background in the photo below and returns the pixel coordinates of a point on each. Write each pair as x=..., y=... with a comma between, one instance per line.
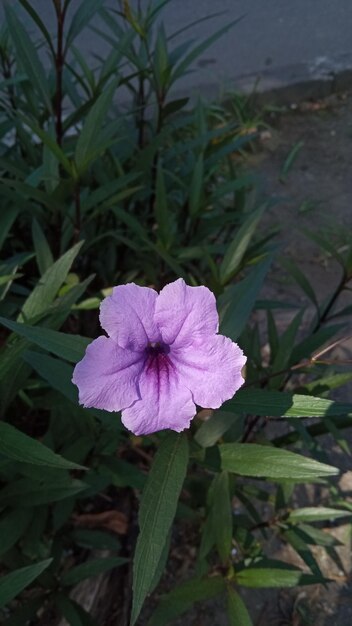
x=97, y=193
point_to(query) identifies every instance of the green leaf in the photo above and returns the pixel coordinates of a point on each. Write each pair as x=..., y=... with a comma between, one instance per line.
x=81, y=19
x=221, y=511
x=324, y=241
x=342, y=312
x=41, y=247
x=87, y=142
x=295, y=539
x=327, y=383
x=122, y=473
x=213, y=428
x=161, y=66
x=17, y=446
x=73, y=613
x=316, y=514
x=316, y=537
x=12, y=527
x=249, y=459
x=162, y=563
x=36, y=18
x=69, y=347
x=4, y=280
x=157, y=511
x=232, y=260
x=44, y=293
x=300, y=279
x=266, y=577
x=237, y=610
x=97, y=539
x=134, y=225
x=27, y=55
x=182, y=598
x=50, y=143
x=313, y=342
x=90, y=568
x=161, y=207
x=284, y=404
x=12, y=584
x=237, y=302
x=292, y=156
x=183, y=66
x=57, y=373
x=25, y=612
x=173, y=106
x=273, y=336
x=284, y=351
x=196, y=188
x=7, y=218
x=33, y=493
x=13, y=374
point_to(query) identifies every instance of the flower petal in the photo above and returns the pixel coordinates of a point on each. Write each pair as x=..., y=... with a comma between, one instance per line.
x=164, y=404
x=212, y=371
x=107, y=376
x=186, y=314
x=128, y=316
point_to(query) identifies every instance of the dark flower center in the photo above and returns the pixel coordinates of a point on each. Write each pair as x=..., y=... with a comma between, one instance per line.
x=158, y=363
x=156, y=349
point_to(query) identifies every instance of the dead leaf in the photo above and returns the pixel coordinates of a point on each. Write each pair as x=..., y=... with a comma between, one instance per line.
x=113, y=520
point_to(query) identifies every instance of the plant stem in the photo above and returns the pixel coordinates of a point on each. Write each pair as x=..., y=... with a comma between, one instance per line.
x=156, y=156
x=250, y=427
x=59, y=64
x=7, y=74
x=141, y=108
x=323, y=317
x=77, y=199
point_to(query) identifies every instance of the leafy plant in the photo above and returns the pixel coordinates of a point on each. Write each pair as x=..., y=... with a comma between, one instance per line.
x=96, y=193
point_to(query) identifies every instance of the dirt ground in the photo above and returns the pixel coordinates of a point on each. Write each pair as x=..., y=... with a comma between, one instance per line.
x=316, y=191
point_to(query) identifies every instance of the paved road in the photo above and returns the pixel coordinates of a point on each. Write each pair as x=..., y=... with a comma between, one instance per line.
x=279, y=41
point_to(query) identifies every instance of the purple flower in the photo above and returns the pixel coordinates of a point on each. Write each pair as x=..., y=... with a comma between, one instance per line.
x=162, y=357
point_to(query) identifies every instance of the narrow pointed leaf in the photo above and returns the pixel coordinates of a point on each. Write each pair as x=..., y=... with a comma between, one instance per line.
x=69, y=347
x=27, y=55
x=232, y=260
x=301, y=280
x=236, y=610
x=211, y=430
x=36, y=18
x=266, y=577
x=57, y=373
x=49, y=284
x=12, y=584
x=81, y=19
x=12, y=527
x=183, y=66
x=90, y=568
x=284, y=404
x=266, y=461
x=238, y=301
x=157, y=511
x=41, y=247
x=221, y=511
x=34, y=493
x=87, y=142
x=316, y=514
x=182, y=598
x=17, y=446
